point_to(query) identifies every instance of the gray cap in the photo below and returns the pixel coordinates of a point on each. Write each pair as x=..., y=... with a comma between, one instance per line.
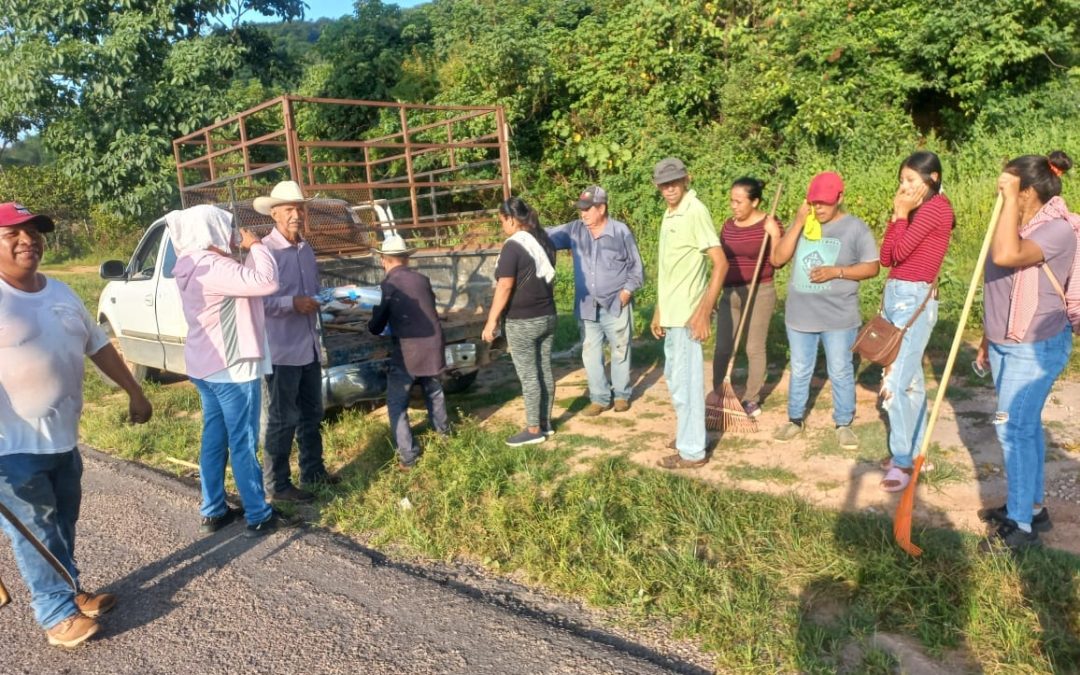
x=667, y=170
x=591, y=196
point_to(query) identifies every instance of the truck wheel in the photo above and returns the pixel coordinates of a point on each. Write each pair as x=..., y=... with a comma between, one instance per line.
x=456, y=383
x=138, y=371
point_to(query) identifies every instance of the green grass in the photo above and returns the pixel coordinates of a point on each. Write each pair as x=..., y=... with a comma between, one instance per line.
x=873, y=443
x=765, y=583
x=765, y=474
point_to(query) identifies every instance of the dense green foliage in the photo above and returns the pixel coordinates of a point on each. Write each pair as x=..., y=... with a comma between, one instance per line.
x=595, y=90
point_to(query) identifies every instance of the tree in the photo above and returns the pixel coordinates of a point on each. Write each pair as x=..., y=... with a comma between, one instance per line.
x=110, y=85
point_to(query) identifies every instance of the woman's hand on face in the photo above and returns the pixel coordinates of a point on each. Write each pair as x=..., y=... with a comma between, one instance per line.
x=1009, y=185
x=803, y=212
x=907, y=200
x=248, y=239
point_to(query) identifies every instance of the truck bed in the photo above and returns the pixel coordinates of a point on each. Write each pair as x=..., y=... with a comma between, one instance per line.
x=351, y=342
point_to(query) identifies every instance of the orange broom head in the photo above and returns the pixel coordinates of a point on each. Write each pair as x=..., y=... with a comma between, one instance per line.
x=904, y=512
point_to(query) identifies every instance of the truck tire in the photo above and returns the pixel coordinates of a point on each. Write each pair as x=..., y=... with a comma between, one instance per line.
x=138, y=371
x=457, y=383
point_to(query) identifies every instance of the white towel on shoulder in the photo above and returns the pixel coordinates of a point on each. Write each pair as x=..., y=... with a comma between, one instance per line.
x=544, y=270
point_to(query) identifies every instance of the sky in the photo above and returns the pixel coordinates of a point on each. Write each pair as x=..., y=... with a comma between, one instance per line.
x=334, y=9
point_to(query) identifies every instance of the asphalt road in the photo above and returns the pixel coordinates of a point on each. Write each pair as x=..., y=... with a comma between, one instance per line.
x=297, y=601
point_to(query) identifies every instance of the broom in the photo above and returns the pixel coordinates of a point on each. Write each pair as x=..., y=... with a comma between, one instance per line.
x=730, y=415
x=902, y=520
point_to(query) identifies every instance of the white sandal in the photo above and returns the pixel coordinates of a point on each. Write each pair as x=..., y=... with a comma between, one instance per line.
x=901, y=478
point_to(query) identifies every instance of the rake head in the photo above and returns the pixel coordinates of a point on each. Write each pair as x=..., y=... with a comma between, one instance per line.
x=724, y=412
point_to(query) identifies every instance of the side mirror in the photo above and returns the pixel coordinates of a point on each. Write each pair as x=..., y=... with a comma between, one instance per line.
x=113, y=269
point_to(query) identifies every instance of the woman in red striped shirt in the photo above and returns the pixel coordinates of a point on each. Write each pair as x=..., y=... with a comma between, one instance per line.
x=741, y=237
x=914, y=247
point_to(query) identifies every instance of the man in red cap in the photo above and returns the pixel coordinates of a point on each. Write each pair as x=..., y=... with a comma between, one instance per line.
x=833, y=251
x=45, y=332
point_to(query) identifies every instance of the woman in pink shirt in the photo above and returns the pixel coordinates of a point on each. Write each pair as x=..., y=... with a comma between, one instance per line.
x=226, y=356
x=1027, y=336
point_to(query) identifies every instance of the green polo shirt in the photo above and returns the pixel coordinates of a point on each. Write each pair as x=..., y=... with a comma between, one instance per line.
x=685, y=235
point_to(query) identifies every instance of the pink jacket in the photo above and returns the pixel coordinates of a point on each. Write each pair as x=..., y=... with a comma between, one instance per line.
x=223, y=306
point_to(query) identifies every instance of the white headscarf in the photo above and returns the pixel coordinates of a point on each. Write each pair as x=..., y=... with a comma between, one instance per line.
x=200, y=227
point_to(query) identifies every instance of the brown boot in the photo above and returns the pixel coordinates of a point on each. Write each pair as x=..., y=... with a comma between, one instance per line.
x=72, y=631
x=94, y=605
x=594, y=409
x=621, y=405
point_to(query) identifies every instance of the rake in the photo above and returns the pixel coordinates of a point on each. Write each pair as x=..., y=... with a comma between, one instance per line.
x=723, y=410
x=905, y=510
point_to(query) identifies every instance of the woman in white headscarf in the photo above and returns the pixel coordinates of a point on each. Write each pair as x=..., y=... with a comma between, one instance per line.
x=226, y=356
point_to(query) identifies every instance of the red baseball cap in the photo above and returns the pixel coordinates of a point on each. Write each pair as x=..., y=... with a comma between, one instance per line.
x=825, y=188
x=14, y=213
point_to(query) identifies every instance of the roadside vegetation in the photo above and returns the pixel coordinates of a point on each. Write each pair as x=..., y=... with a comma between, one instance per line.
x=765, y=583
x=596, y=91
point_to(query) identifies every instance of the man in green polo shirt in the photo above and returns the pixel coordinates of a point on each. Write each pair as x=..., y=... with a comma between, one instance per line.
x=685, y=297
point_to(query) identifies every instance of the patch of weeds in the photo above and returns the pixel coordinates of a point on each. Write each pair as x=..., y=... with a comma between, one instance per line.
x=945, y=471
x=765, y=474
x=734, y=443
x=580, y=441
x=828, y=485
x=873, y=443
x=622, y=422
x=649, y=415
x=977, y=416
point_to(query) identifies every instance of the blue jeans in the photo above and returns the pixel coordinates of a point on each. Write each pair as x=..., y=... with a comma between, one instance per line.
x=839, y=361
x=616, y=329
x=295, y=410
x=44, y=492
x=1023, y=376
x=903, y=390
x=684, y=373
x=231, y=432
x=398, y=386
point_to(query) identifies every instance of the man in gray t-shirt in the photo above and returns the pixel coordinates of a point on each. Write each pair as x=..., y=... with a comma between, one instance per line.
x=831, y=252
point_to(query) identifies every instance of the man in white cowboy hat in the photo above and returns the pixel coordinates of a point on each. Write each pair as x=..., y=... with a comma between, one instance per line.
x=294, y=405
x=408, y=305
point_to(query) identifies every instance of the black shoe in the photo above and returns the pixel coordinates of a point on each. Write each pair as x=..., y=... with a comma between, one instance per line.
x=1009, y=537
x=1040, y=522
x=292, y=495
x=211, y=524
x=276, y=520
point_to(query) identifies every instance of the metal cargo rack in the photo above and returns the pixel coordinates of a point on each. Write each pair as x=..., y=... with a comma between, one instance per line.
x=441, y=171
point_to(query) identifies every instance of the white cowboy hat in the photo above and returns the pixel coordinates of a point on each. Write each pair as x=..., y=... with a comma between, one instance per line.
x=285, y=192
x=394, y=246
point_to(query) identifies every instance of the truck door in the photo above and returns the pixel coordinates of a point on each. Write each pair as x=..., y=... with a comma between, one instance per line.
x=172, y=326
x=136, y=302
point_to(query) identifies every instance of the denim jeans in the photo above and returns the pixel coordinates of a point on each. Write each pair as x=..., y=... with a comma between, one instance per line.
x=616, y=330
x=1024, y=373
x=398, y=385
x=839, y=361
x=44, y=492
x=295, y=409
x=230, y=433
x=684, y=373
x=530, y=343
x=903, y=389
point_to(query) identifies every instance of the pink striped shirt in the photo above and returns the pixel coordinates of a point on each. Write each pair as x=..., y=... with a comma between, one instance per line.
x=914, y=250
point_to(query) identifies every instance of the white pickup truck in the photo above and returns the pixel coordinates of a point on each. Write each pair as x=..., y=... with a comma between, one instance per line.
x=140, y=306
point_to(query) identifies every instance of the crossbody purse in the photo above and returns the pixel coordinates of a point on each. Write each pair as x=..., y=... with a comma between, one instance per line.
x=879, y=340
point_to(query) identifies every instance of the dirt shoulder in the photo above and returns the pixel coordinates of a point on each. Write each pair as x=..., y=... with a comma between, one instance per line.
x=967, y=471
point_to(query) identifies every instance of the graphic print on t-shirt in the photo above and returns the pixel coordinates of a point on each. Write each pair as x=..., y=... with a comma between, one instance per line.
x=810, y=254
